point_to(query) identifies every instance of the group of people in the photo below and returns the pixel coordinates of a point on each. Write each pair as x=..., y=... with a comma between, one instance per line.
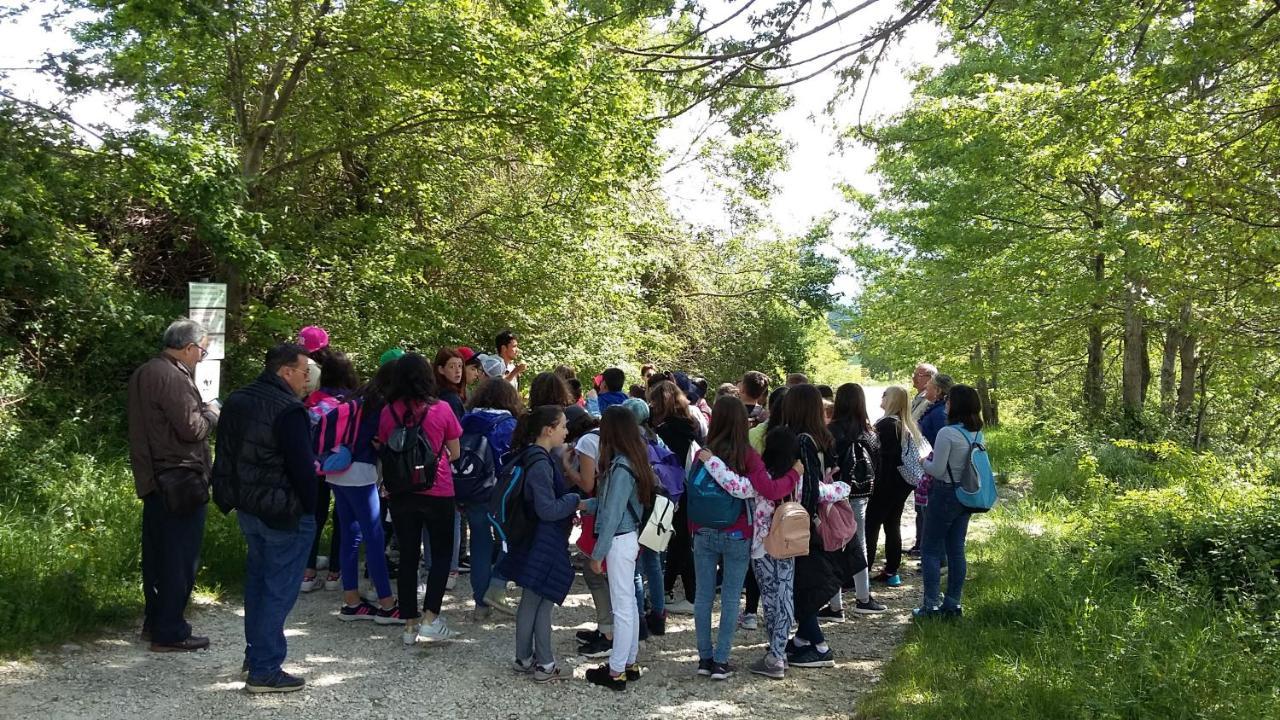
x=413, y=457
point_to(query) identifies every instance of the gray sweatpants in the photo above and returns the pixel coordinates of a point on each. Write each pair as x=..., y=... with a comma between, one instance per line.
x=533, y=629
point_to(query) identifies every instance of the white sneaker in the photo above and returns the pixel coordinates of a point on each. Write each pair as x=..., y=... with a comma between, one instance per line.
x=748, y=621
x=322, y=562
x=452, y=582
x=680, y=607
x=437, y=631
x=410, y=635
x=314, y=583
x=334, y=584
x=497, y=599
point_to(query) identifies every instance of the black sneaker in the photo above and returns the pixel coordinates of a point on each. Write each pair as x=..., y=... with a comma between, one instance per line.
x=602, y=677
x=634, y=672
x=870, y=607
x=283, y=682
x=363, y=611
x=810, y=657
x=586, y=636
x=827, y=613
x=721, y=671
x=706, y=667
x=598, y=648
x=657, y=623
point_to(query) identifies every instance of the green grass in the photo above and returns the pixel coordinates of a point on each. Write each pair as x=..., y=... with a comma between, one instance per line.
x=1090, y=600
x=69, y=538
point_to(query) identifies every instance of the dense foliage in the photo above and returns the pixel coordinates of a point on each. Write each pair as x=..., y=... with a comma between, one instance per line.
x=1083, y=212
x=402, y=173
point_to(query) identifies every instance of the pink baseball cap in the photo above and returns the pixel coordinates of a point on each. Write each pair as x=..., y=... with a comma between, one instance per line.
x=313, y=338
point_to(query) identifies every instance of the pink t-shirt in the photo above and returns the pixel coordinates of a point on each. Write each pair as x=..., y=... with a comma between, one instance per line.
x=440, y=425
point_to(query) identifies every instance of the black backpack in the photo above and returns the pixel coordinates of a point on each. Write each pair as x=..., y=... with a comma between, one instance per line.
x=857, y=469
x=408, y=460
x=475, y=472
x=510, y=513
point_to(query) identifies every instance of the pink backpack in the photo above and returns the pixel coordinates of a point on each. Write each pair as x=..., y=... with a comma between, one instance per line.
x=836, y=525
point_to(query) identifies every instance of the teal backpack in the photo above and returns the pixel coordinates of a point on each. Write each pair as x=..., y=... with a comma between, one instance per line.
x=709, y=505
x=976, y=488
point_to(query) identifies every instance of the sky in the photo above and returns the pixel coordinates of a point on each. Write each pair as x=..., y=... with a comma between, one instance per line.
x=808, y=189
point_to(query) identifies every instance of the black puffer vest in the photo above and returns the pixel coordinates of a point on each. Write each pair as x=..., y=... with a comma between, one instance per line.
x=248, y=470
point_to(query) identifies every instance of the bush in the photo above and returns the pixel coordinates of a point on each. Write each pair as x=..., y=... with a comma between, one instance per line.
x=1152, y=592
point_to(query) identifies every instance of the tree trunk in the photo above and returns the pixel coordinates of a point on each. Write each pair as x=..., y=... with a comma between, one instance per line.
x=1094, y=399
x=980, y=372
x=1204, y=405
x=1169, y=369
x=1134, y=350
x=1146, y=361
x=1190, y=361
x=991, y=409
x=1038, y=369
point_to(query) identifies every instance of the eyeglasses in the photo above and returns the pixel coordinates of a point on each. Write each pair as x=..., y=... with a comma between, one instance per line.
x=204, y=352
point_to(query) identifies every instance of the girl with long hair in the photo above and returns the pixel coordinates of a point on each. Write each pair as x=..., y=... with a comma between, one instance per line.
x=450, y=372
x=549, y=388
x=738, y=469
x=818, y=573
x=541, y=566
x=670, y=418
x=627, y=486
x=776, y=576
x=355, y=497
x=947, y=522
x=857, y=449
x=492, y=411
x=413, y=400
x=338, y=380
x=891, y=491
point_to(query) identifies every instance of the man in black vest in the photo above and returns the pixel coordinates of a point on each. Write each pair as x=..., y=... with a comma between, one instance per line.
x=265, y=469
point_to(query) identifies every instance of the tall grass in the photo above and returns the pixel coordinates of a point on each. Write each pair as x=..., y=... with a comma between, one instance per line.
x=1132, y=582
x=69, y=536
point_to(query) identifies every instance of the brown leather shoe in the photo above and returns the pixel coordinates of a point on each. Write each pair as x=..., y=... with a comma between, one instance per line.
x=191, y=644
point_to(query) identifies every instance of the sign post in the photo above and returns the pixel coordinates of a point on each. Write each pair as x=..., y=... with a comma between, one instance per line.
x=207, y=305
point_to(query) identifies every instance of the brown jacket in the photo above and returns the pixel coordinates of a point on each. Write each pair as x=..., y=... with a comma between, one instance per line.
x=168, y=424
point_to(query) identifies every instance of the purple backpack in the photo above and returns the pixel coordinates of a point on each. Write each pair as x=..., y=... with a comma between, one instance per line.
x=669, y=470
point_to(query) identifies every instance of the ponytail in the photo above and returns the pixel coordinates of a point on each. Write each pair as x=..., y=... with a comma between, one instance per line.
x=530, y=425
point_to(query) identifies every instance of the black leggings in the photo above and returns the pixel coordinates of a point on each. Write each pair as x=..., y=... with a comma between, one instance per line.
x=335, y=537
x=885, y=509
x=753, y=591
x=680, y=554
x=409, y=515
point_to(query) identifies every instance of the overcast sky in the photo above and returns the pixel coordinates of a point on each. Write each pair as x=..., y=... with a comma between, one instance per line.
x=808, y=190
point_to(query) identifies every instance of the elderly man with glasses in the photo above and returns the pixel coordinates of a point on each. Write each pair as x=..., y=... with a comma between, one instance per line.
x=169, y=430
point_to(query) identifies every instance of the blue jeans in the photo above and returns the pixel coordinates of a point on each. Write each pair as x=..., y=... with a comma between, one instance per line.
x=712, y=547
x=649, y=573
x=484, y=567
x=360, y=520
x=945, y=526
x=273, y=574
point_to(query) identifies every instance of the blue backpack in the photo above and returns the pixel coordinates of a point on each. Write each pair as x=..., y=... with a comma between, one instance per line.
x=709, y=504
x=976, y=488
x=475, y=472
x=511, y=516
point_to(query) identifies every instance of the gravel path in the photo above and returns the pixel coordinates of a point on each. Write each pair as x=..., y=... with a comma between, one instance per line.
x=360, y=670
